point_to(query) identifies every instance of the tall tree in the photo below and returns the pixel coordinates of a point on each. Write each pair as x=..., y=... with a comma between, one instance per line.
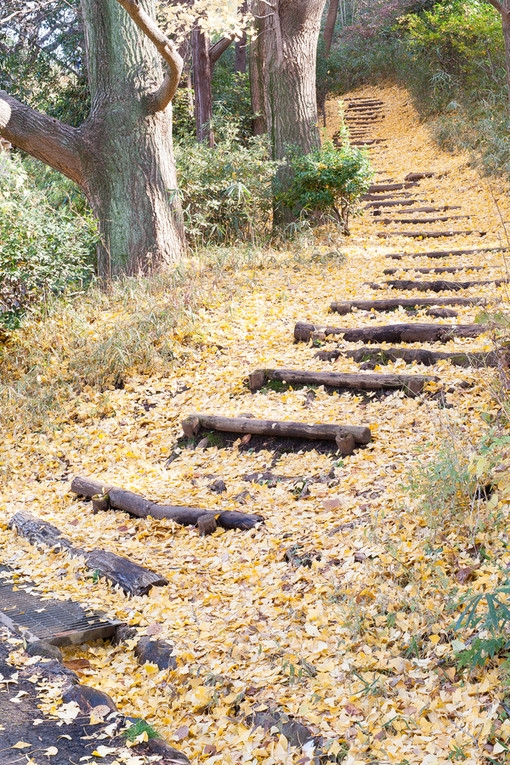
x=329, y=25
x=121, y=156
x=288, y=35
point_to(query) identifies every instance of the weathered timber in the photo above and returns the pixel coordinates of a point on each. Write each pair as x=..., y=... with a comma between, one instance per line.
x=440, y=286
x=414, y=355
x=418, y=221
x=368, y=142
x=429, y=234
x=434, y=270
x=376, y=188
x=392, y=203
x=282, y=428
x=136, y=505
x=443, y=208
x=132, y=578
x=391, y=333
x=418, y=176
x=392, y=303
x=411, y=384
x=383, y=197
x=442, y=253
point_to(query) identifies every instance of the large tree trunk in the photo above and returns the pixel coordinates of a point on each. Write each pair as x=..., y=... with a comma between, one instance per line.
x=256, y=63
x=291, y=32
x=122, y=155
x=202, y=75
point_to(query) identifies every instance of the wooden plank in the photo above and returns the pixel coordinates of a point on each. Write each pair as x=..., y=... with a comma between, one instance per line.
x=281, y=428
x=418, y=221
x=429, y=234
x=411, y=384
x=132, y=578
x=375, y=188
x=434, y=270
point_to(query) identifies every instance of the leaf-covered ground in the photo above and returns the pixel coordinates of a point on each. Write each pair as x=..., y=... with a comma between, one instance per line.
x=359, y=644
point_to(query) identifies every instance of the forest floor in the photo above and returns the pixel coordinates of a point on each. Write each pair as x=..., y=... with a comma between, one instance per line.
x=337, y=612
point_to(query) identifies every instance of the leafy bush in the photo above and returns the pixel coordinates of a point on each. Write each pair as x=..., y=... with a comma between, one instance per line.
x=43, y=248
x=328, y=181
x=226, y=191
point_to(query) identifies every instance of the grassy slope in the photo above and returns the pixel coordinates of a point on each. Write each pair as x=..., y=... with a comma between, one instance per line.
x=371, y=615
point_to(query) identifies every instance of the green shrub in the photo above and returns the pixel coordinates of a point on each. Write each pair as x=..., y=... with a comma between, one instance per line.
x=328, y=181
x=226, y=191
x=44, y=248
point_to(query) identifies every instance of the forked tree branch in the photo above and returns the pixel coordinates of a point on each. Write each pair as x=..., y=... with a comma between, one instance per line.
x=159, y=100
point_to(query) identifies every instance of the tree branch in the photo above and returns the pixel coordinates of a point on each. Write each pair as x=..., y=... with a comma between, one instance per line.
x=42, y=137
x=500, y=8
x=218, y=49
x=159, y=100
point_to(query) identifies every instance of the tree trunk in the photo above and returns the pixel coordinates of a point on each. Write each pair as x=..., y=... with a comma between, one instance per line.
x=329, y=26
x=290, y=49
x=202, y=75
x=122, y=155
x=256, y=62
x=506, y=37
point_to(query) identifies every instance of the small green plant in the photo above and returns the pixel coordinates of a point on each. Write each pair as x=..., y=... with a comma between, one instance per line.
x=328, y=182
x=138, y=728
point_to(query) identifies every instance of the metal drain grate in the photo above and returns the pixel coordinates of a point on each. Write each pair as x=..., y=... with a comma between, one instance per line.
x=60, y=622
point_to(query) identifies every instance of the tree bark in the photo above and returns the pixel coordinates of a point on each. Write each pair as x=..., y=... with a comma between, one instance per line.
x=122, y=154
x=329, y=26
x=392, y=303
x=256, y=62
x=202, y=74
x=411, y=384
x=415, y=356
x=289, y=43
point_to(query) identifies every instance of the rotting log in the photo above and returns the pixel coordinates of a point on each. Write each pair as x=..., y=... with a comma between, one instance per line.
x=132, y=578
x=441, y=285
x=391, y=333
x=135, y=504
x=423, y=356
x=391, y=304
x=443, y=253
x=281, y=428
x=434, y=270
x=412, y=384
x=429, y=234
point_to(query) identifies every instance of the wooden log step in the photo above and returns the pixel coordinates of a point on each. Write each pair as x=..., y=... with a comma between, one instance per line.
x=443, y=208
x=390, y=333
x=418, y=221
x=429, y=234
x=392, y=203
x=135, y=504
x=414, y=355
x=368, y=142
x=412, y=385
x=375, y=188
x=436, y=270
x=440, y=285
x=418, y=176
x=379, y=197
x=280, y=428
x=344, y=307
x=132, y=578
x=443, y=253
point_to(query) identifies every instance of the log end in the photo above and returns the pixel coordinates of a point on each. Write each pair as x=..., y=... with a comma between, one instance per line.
x=256, y=380
x=191, y=426
x=303, y=332
x=341, y=308
x=100, y=502
x=346, y=444
x=207, y=524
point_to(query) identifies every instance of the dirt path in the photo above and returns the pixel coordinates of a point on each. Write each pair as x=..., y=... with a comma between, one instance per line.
x=337, y=610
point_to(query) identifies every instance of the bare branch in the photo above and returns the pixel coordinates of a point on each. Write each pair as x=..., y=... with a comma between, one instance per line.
x=42, y=137
x=218, y=49
x=159, y=100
